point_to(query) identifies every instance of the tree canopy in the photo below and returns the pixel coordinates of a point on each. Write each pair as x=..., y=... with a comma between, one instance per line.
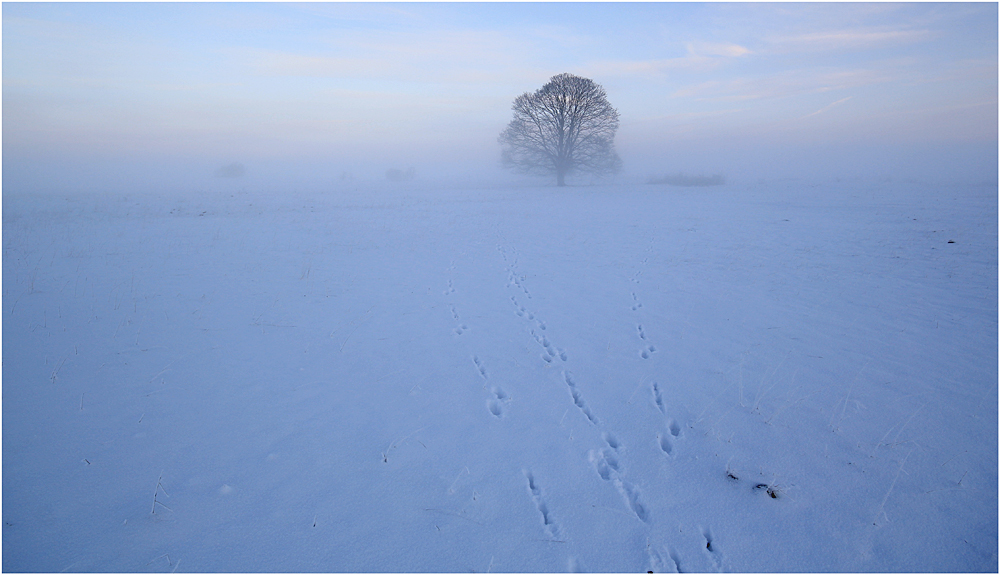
x=565, y=126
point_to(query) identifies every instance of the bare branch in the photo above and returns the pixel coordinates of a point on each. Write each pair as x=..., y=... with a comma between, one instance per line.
x=565, y=126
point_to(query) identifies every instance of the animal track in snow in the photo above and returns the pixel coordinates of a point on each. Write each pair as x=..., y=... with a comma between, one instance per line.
x=520, y=285
x=513, y=278
x=674, y=428
x=524, y=312
x=632, y=499
x=607, y=465
x=666, y=439
x=611, y=440
x=496, y=403
x=495, y=407
x=549, y=352
x=461, y=328
x=658, y=398
x=665, y=445
x=636, y=303
x=605, y=461
x=658, y=563
x=479, y=366
x=600, y=463
x=645, y=353
x=711, y=548
x=542, y=341
x=677, y=561
x=611, y=459
x=641, y=334
x=578, y=399
x=548, y=522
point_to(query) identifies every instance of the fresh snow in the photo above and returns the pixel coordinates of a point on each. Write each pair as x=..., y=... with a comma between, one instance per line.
x=779, y=376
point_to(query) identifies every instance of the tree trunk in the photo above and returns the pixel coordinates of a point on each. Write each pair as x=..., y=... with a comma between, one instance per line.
x=560, y=177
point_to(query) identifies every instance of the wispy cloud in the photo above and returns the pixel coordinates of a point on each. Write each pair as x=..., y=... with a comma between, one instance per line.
x=686, y=116
x=827, y=107
x=461, y=56
x=780, y=85
x=847, y=39
x=717, y=50
x=701, y=56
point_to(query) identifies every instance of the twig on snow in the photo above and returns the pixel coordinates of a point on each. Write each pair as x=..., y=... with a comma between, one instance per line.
x=886, y=498
x=156, y=492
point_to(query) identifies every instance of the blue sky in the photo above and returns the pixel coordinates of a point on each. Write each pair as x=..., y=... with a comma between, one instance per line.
x=305, y=92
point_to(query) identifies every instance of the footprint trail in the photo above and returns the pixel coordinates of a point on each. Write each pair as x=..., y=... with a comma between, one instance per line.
x=498, y=399
x=607, y=464
x=548, y=523
x=578, y=398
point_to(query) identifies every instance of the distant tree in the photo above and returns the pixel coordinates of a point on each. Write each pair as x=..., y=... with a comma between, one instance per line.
x=234, y=170
x=397, y=175
x=567, y=125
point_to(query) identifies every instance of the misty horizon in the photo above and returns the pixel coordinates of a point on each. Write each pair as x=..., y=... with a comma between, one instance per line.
x=134, y=97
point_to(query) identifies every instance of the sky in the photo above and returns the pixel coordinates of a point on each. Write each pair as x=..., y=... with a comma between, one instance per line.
x=137, y=96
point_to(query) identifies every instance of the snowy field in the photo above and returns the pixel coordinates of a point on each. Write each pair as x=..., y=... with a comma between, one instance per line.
x=761, y=377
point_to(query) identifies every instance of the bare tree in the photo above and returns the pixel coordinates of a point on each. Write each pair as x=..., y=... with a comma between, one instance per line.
x=567, y=125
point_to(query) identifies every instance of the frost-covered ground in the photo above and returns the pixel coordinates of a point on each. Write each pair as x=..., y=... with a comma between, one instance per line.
x=769, y=377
